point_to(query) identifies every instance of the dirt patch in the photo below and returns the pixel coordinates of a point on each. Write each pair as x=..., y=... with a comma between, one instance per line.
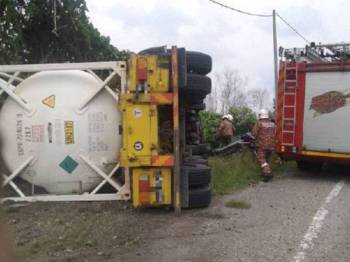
x=80, y=231
x=104, y=231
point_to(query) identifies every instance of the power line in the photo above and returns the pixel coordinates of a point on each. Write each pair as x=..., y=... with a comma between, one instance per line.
x=291, y=27
x=262, y=15
x=238, y=10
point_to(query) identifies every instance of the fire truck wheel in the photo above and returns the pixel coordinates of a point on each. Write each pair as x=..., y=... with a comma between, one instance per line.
x=198, y=175
x=199, y=197
x=309, y=166
x=198, y=86
x=200, y=149
x=198, y=63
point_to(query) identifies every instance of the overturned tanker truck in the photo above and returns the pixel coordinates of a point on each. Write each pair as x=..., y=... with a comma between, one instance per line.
x=107, y=130
x=313, y=105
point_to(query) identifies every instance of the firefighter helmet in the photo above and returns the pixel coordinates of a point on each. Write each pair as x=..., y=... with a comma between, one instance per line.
x=229, y=117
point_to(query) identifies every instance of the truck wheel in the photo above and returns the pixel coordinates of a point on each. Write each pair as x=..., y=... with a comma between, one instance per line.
x=194, y=99
x=198, y=85
x=309, y=166
x=194, y=160
x=198, y=63
x=192, y=119
x=158, y=50
x=197, y=107
x=198, y=175
x=182, y=70
x=200, y=149
x=199, y=197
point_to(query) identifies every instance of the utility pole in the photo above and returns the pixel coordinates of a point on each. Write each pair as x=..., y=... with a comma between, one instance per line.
x=275, y=52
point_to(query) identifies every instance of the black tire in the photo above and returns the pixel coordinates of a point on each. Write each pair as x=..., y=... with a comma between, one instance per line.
x=158, y=50
x=182, y=68
x=192, y=119
x=198, y=86
x=196, y=160
x=197, y=107
x=199, y=197
x=309, y=166
x=193, y=135
x=198, y=175
x=198, y=63
x=200, y=149
x=194, y=99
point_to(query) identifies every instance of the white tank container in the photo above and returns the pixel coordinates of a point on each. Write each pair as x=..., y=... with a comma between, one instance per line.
x=57, y=135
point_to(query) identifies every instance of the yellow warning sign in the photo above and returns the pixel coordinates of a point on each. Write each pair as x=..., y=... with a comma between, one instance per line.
x=49, y=101
x=69, y=132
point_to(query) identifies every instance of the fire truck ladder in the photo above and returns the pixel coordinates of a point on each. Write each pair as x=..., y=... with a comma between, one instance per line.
x=289, y=105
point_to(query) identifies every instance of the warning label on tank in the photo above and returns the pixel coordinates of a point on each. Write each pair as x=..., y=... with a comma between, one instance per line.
x=69, y=164
x=69, y=132
x=49, y=101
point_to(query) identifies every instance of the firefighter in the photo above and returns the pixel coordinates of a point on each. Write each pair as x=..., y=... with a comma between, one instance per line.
x=226, y=130
x=264, y=134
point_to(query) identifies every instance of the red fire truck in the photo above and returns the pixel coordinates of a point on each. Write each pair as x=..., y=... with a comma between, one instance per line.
x=313, y=105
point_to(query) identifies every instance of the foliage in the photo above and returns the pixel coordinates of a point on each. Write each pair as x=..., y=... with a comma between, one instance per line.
x=10, y=31
x=210, y=122
x=37, y=31
x=243, y=119
x=235, y=172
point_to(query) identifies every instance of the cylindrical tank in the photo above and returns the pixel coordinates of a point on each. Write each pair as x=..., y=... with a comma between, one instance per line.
x=57, y=134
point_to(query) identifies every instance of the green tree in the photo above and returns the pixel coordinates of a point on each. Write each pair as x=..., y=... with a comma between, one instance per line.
x=45, y=31
x=243, y=119
x=11, y=24
x=210, y=122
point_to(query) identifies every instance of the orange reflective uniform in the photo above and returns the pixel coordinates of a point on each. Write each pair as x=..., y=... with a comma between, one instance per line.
x=264, y=133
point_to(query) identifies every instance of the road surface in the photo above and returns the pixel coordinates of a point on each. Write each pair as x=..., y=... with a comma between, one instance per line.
x=296, y=218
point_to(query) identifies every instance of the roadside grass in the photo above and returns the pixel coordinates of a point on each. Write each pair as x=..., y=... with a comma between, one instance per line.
x=237, y=171
x=241, y=204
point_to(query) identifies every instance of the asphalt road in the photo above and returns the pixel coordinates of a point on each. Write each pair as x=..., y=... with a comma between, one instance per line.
x=298, y=218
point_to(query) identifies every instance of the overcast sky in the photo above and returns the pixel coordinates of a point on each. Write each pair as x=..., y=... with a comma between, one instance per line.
x=232, y=39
